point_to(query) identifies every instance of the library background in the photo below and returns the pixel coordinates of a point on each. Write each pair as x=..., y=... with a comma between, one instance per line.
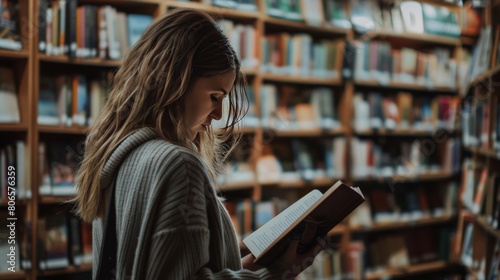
x=400, y=98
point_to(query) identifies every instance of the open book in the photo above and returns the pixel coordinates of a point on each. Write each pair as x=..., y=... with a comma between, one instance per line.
x=312, y=216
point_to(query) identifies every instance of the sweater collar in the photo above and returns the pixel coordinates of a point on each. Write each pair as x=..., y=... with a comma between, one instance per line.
x=130, y=142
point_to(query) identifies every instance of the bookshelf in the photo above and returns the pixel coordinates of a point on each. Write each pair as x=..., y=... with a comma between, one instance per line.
x=477, y=228
x=31, y=65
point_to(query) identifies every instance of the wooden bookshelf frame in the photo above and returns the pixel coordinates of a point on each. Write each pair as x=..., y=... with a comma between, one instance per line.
x=403, y=224
x=30, y=65
x=412, y=270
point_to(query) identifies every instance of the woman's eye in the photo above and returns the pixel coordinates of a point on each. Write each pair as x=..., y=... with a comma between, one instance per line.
x=214, y=98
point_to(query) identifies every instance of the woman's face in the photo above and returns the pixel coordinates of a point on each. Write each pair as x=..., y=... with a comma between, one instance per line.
x=203, y=101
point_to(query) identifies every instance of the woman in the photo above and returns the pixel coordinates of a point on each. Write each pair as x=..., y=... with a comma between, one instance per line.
x=154, y=142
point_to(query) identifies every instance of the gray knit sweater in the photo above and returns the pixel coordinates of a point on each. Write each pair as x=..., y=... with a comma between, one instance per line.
x=170, y=224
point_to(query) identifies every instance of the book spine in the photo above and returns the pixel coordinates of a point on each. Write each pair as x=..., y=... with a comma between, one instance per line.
x=71, y=19
x=42, y=29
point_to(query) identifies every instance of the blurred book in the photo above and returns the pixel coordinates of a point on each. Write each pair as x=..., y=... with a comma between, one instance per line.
x=9, y=25
x=9, y=104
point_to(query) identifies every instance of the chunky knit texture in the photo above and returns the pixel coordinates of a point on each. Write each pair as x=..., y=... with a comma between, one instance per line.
x=170, y=224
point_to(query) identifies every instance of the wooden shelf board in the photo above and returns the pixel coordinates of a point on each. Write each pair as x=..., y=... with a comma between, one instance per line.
x=62, y=129
x=405, y=86
x=481, y=221
x=248, y=130
x=220, y=11
x=483, y=76
x=302, y=26
x=484, y=152
x=415, y=37
x=19, y=202
x=140, y=2
x=13, y=127
x=80, y=61
x=399, y=178
x=409, y=270
x=302, y=184
x=468, y=40
x=399, y=225
x=13, y=275
x=71, y=269
x=399, y=132
x=306, y=133
x=301, y=80
x=237, y=186
x=45, y=199
x=250, y=71
x=8, y=54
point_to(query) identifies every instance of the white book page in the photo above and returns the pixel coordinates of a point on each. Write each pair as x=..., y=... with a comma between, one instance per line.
x=260, y=239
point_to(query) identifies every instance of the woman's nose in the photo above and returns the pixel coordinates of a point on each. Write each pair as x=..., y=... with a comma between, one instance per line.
x=217, y=111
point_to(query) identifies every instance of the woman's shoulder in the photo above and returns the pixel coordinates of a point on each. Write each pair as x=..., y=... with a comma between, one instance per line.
x=165, y=154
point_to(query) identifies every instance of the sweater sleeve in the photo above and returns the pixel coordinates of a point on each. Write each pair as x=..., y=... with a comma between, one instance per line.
x=181, y=241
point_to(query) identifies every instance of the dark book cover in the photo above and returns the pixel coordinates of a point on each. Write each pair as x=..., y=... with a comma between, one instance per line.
x=75, y=241
x=71, y=27
x=42, y=22
x=9, y=25
x=56, y=242
x=336, y=13
x=63, y=161
x=441, y=21
x=348, y=61
x=303, y=160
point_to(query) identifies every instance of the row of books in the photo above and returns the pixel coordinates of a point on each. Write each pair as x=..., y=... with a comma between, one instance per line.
x=378, y=61
x=481, y=124
x=87, y=31
x=408, y=247
x=78, y=99
x=475, y=253
x=397, y=252
x=70, y=99
x=411, y=204
x=242, y=5
x=9, y=104
x=405, y=16
x=289, y=108
x=14, y=175
x=410, y=158
x=63, y=240
x=299, y=55
x=362, y=258
x=480, y=192
x=300, y=159
x=289, y=162
x=404, y=112
x=308, y=160
x=244, y=40
x=486, y=53
x=57, y=167
x=401, y=16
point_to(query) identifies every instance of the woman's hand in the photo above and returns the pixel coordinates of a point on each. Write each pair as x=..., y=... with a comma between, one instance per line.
x=292, y=263
x=247, y=263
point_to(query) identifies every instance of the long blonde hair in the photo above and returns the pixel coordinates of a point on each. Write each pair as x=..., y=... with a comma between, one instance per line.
x=148, y=90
